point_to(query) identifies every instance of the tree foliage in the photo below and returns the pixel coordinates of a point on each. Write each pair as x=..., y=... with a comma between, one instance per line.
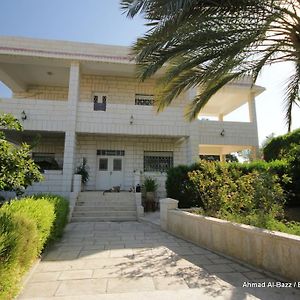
x=210, y=43
x=17, y=169
x=287, y=147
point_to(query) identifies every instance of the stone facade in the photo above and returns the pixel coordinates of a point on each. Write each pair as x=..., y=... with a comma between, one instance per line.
x=55, y=90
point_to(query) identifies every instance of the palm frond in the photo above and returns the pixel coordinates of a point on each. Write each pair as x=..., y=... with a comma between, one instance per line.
x=292, y=95
x=208, y=42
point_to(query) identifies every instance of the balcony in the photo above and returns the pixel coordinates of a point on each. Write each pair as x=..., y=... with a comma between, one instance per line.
x=227, y=133
x=131, y=120
x=44, y=115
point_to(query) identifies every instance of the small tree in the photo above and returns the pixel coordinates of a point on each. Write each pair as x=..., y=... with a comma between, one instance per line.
x=17, y=169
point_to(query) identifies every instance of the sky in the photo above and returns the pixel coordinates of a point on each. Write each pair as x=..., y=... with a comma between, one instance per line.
x=102, y=21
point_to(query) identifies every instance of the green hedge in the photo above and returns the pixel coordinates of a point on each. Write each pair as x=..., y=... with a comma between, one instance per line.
x=27, y=225
x=287, y=147
x=178, y=186
x=279, y=147
x=61, y=212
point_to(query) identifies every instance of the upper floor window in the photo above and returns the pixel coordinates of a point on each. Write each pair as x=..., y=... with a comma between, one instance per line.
x=158, y=161
x=143, y=99
x=99, y=100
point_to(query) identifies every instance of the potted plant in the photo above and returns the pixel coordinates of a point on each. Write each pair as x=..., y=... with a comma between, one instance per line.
x=82, y=170
x=150, y=187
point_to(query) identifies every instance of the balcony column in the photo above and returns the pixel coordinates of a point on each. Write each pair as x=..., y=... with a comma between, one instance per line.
x=194, y=139
x=222, y=157
x=221, y=117
x=253, y=120
x=70, y=133
x=193, y=143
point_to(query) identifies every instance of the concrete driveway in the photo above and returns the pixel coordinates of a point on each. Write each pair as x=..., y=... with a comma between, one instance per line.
x=134, y=260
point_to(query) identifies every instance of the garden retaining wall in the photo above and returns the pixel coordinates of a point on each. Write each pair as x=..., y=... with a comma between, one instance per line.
x=275, y=252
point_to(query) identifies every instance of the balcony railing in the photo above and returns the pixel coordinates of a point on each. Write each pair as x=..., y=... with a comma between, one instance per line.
x=131, y=119
x=40, y=114
x=227, y=133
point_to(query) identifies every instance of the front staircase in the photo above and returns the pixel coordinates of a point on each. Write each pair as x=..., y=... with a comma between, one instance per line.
x=96, y=207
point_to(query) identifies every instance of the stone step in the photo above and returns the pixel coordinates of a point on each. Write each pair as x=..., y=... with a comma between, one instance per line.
x=104, y=208
x=103, y=219
x=91, y=196
x=96, y=207
x=105, y=204
x=99, y=214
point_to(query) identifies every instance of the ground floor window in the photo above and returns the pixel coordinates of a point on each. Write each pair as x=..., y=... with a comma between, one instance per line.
x=158, y=161
x=46, y=161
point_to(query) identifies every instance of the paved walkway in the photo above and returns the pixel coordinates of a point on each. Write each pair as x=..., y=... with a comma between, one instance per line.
x=134, y=260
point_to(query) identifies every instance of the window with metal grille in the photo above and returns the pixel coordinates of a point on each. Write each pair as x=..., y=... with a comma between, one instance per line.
x=141, y=99
x=158, y=161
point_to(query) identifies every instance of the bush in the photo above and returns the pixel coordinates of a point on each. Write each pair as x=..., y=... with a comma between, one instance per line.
x=39, y=210
x=178, y=183
x=26, y=227
x=178, y=186
x=287, y=147
x=61, y=212
x=262, y=220
x=223, y=190
x=18, y=249
x=150, y=184
x=279, y=147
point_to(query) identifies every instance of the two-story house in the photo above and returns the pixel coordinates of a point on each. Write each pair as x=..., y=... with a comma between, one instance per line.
x=84, y=101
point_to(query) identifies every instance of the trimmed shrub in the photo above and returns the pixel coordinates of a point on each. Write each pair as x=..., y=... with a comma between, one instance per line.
x=18, y=248
x=61, y=212
x=40, y=211
x=26, y=227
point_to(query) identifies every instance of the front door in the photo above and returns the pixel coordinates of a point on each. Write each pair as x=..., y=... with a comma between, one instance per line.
x=110, y=172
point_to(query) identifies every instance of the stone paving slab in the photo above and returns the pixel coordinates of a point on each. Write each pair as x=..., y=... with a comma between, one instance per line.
x=134, y=260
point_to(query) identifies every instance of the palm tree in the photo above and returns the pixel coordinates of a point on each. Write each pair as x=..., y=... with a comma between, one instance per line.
x=209, y=43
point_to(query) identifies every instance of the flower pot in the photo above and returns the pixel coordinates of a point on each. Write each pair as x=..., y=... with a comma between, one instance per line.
x=150, y=201
x=150, y=196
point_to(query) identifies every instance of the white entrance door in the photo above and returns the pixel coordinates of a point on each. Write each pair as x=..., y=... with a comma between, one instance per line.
x=110, y=172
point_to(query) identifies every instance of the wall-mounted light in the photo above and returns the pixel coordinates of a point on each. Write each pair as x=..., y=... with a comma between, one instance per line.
x=222, y=132
x=23, y=115
x=131, y=120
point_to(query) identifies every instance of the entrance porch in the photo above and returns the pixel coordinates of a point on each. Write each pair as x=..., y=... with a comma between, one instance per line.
x=125, y=161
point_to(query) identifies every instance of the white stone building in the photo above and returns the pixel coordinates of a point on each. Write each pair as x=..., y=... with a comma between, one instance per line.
x=83, y=101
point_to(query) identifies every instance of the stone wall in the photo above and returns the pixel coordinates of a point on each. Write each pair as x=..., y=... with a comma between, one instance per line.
x=275, y=252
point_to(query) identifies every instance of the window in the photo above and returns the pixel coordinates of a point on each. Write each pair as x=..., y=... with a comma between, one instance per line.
x=158, y=161
x=99, y=100
x=103, y=164
x=141, y=99
x=117, y=164
x=46, y=161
